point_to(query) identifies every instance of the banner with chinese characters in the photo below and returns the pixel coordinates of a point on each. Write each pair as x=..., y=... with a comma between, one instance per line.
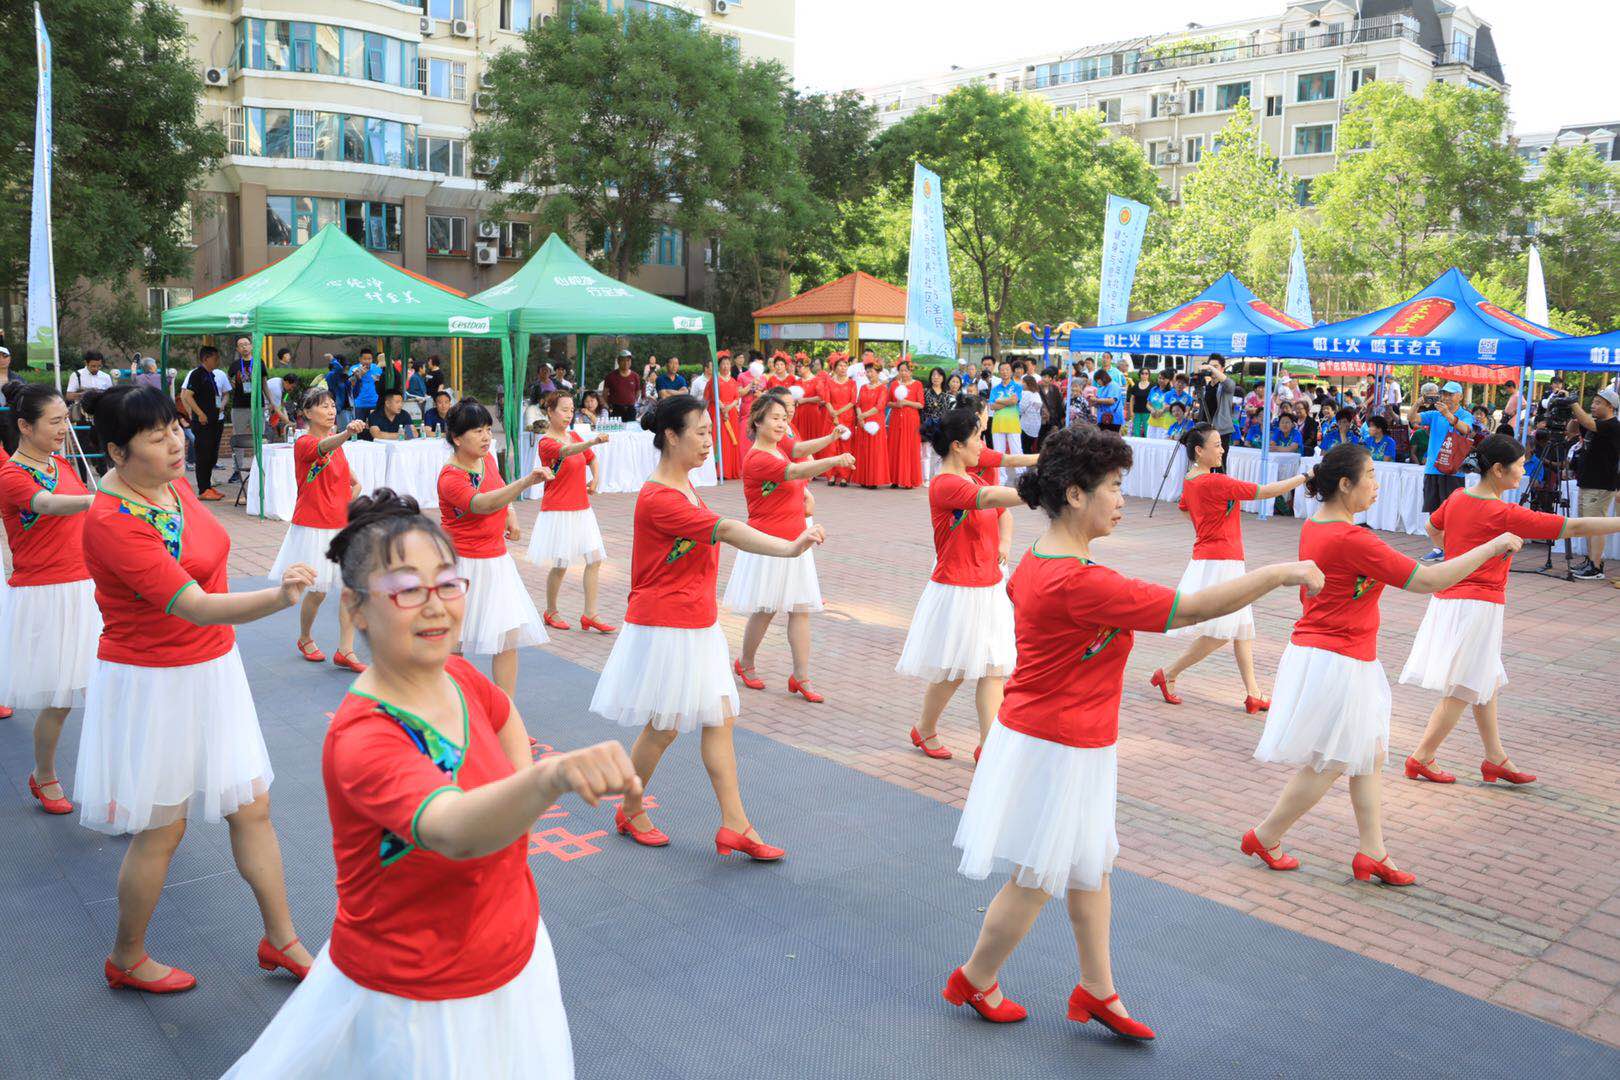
x=930, y=316
x=1124, y=224
x=42, y=343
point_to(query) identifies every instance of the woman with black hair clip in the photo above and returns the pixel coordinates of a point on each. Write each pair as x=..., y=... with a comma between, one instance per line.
x=476, y=510
x=1043, y=797
x=170, y=729
x=48, y=615
x=669, y=671
x=325, y=487
x=963, y=625
x=1458, y=648
x=1330, y=706
x=439, y=963
x=1210, y=500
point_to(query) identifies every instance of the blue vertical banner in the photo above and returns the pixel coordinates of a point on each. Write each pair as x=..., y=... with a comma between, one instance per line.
x=1298, y=302
x=42, y=344
x=1124, y=224
x=930, y=316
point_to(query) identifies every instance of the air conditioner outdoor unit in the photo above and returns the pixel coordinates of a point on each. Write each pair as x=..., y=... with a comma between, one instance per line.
x=482, y=102
x=721, y=7
x=486, y=255
x=486, y=79
x=489, y=230
x=545, y=20
x=425, y=25
x=1173, y=107
x=216, y=76
x=1170, y=157
x=461, y=28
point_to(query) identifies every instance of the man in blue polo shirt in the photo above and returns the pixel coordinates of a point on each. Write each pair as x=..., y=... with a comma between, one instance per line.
x=1442, y=419
x=363, y=387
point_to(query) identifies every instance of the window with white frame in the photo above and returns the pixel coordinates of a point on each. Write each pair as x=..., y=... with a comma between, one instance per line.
x=447, y=157
x=1159, y=104
x=1361, y=76
x=1313, y=139
x=1462, y=47
x=1195, y=100
x=1296, y=41
x=514, y=239
x=1316, y=86
x=1194, y=150
x=1227, y=95
x=1156, y=151
x=161, y=298
x=517, y=14
x=446, y=234
x=445, y=9
x=1274, y=104
x=445, y=79
x=1108, y=109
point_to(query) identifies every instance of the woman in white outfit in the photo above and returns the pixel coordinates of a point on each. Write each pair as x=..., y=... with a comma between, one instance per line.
x=565, y=530
x=170, y=729
x=439, y=964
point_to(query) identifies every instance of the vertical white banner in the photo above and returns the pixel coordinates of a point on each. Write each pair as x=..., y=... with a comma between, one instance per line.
x=42, y=343
x=1298, y=302
x=930, y=316
x=1535, y=291
x=1124, y=224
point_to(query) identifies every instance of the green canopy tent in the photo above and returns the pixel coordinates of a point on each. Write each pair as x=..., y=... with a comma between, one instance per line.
x=332, y=286
x=557, y=292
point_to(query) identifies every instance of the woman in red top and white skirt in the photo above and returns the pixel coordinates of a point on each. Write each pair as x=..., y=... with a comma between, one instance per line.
x=565, y=530
x=48, y=617
x=325, y=489
x=669, y=670
x=963, y=625
x=774, y=482
x=871, y=443
x=1458, y=648
x=1042, y=802
x=170, y=730
x=439, y=963
x=476, y=510
x=1330, y=709
x=1210, y=500
x=905, y=421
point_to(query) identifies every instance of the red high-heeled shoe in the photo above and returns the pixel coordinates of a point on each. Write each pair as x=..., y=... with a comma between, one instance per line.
x=940, y=753
x=1083, y=1007
x=803, y=688
x=728, y=840
x=1416, y=770
x=651, y=837
x=49, y=805
x=1493, y=772
x=555, y=621
x=976, y=751
x=271, y=958
x=1163, y=685
x=348, y=660
x=591, y=622
x=174, y=982
x=1365, y=867
x=310, y=651
x=753, y=682
x=1252, y=704
x=1251, y=845
x=5, y=712
x=958, y=991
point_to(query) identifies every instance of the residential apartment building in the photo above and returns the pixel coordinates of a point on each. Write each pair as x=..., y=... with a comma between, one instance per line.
x=1604, y=139
x=358, y=112
x=1173, y=92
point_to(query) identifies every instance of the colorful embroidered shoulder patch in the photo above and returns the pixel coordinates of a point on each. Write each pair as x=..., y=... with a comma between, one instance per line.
x=1105, y=637
x=318, y=466
x=1363, y=583
x=680, y=547
x=767, y=487
x=47, y=484
x=444, y=754
x=170, y=524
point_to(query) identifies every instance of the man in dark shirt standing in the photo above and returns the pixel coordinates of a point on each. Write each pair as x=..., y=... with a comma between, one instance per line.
x=623, y=387
x=1597, y=473
x=433, y=377
x=199, y=400
x=1218, y=392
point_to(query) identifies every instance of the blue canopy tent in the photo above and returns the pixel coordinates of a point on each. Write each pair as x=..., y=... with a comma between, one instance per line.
x=1599, y=352
x=1449, y=322
x=1226, y=318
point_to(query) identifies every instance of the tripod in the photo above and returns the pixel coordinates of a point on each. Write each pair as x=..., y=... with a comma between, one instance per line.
x=1547, y=494
x=1170, y=462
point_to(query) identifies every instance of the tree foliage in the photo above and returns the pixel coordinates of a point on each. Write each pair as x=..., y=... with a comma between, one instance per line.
x=1578, y=228
x=130, y=145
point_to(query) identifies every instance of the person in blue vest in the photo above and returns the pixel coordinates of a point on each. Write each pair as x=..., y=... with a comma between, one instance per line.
x=1439, y=419
x=1180, y=422
x=1110, y=399
x=363, y=385
x=1342, y=431
x=1158, y=425
x=1379, y=442
x=1285, y=437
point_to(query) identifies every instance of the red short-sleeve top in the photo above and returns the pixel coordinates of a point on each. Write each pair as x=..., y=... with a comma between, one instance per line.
x=775, y=503
x=966, y=537
x=1469, y=520
x=674, y=560
x=46, y=549
x=324, y=485
x=476, y=536
x=1343, y=617
x=1211, y=500
x=566, y=490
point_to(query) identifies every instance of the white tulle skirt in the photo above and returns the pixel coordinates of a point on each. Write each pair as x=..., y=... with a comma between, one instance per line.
x=564, y=537
x=1458, y=650
x=1201, y=574
x=767, y=583
x=960, y=632
x=50, y=634
x=1042, y=811
x=671, y=677
x=303, y=544
x=499, y=614
x=1328, y=711
x=332, y=1026
x=160, y=744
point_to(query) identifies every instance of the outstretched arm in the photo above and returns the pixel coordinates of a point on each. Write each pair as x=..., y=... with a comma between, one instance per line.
x=1234, y=595
x=747, y=538
x=1431, y=579
x=805, y=470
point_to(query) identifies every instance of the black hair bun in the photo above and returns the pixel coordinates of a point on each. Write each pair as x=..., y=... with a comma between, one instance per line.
x=367, y=510
x=1029, y=488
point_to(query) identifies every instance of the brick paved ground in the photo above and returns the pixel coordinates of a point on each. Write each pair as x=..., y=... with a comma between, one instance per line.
x=1518, y=899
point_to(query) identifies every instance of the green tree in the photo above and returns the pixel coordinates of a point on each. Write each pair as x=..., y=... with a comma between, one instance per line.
x=124, y=323
x=1577, y=227
x=1421, y=184
x=1024, y=192
x=130, y=145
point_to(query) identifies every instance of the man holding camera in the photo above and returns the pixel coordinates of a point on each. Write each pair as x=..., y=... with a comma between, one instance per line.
x=1218, y=392
x=1597, y=471
x=1439, y=419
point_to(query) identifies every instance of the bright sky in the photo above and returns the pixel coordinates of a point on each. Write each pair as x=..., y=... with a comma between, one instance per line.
x=1558, y=55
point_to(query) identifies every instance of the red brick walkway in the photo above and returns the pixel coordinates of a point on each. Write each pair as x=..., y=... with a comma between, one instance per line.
x=1518, y=899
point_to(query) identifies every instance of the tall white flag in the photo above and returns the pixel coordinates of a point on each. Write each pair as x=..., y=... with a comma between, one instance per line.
x=1535, y=291
x=42, y=344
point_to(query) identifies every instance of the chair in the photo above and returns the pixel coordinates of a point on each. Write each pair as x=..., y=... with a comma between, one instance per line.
x=242, y=442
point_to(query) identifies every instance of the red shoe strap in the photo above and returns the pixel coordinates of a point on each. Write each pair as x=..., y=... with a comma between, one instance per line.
x=130, y=971
x=283, y=948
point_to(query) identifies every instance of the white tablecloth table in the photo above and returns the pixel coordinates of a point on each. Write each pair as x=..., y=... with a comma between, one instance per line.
x=1400, y=497
x=626, y=460
x=1150, y=457
x=409, y=466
